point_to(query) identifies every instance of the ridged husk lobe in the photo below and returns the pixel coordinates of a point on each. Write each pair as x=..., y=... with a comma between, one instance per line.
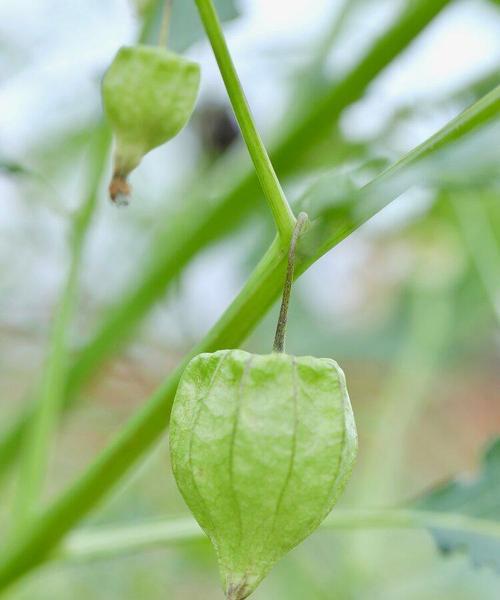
x=261, y=448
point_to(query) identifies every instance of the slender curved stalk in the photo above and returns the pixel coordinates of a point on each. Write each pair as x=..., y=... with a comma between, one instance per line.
x=262, y=288
x=282, y=213
x=202, y=223
x=50, y=400
x=112, y=542
x=279, y=338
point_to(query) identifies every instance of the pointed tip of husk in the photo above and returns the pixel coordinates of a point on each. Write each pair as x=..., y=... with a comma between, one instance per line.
x=239, y=587
x=238, y=591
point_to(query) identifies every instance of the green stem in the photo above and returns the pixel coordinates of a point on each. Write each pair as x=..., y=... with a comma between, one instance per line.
x=282, y=213
x=279, y=338
x=165, y=24
x=111, y=542
x=49, y=403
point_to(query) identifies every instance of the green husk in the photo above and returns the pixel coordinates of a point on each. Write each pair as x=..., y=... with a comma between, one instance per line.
x=149, y=95
x=261, y=447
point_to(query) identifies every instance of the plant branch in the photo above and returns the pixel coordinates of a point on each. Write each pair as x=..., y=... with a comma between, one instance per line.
x=262, y=288
x=50, y=401
x=111, y=542
x=282, y=213
x=165, y=23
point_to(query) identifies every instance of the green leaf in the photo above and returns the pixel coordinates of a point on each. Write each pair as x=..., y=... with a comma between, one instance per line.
x=478, y=229
x=324, y=201
x=478, y=498
x=185, y=27
x=13, y=168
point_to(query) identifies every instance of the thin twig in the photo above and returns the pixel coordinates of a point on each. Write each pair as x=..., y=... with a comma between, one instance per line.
x=165, y=24
x=279, y=339
x=111, y=542
x=50, y=398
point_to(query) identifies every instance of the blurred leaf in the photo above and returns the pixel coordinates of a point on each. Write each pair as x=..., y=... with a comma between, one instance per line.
x=98, y=543
x=478, y=229
x=478, y=498
x=480, y=86
x=185, y=27
x=453, y=148
x=13, y=168
x=106, y=542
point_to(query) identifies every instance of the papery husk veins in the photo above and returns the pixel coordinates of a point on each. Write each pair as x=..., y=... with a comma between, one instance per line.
x=261, y=447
